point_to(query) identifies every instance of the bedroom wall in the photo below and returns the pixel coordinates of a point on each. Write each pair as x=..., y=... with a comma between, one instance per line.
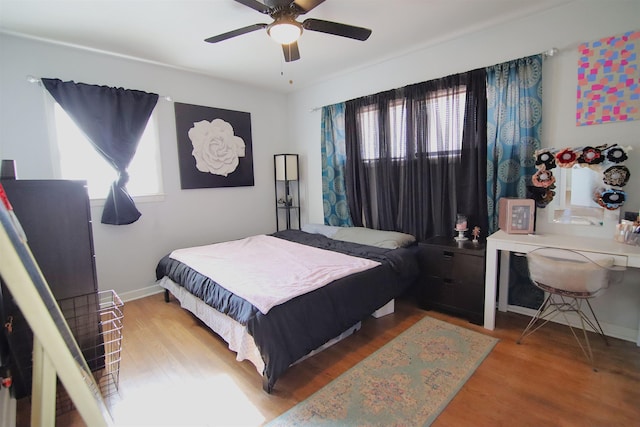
x=564, y=28
x=126, y=256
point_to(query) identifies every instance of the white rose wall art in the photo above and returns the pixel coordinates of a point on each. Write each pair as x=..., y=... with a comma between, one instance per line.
x=214, y=147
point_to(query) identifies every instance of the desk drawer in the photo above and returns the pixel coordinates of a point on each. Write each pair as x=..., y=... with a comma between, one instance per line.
x=619, y=260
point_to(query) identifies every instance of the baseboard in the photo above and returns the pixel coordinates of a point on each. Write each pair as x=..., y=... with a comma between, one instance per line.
x=140, y=293
x=610, y=330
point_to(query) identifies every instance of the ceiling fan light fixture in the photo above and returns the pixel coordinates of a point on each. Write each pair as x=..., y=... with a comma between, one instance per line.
x=285, y=30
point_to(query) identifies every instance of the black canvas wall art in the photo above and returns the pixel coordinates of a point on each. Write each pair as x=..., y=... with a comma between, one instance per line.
x=214, y=147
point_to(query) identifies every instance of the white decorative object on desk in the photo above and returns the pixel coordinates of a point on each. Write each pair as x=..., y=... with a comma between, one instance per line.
x=461, y=226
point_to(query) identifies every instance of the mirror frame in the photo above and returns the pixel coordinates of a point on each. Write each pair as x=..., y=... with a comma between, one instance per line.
x=605, y=159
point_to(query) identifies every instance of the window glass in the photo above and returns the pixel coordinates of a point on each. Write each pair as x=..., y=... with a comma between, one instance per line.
x=369, y=129
x=80, y=160
x=444, y=121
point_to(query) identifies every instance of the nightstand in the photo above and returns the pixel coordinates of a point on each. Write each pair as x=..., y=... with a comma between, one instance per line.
x=452, y=277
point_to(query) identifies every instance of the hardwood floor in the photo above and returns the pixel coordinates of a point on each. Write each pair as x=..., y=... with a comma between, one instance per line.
x=174, y=371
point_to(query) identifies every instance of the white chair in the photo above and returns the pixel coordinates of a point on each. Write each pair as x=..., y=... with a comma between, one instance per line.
x=569, y=279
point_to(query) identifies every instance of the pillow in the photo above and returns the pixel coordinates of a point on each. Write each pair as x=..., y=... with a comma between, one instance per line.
x=327, y=230
x=379, y=238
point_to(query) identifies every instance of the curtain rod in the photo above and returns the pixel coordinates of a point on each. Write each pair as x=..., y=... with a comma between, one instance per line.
x=33, y=79
x=547, y=53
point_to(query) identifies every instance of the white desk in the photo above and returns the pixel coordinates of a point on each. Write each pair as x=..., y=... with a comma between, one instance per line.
x=624, y=255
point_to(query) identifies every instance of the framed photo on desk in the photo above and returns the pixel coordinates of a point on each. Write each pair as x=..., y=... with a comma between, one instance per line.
x=516, y=216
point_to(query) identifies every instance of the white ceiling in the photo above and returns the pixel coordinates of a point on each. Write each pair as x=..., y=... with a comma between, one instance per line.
x=172, y=32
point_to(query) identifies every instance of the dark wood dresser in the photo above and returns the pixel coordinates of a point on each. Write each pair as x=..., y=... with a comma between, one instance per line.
x=56, y=218
x=452, y=277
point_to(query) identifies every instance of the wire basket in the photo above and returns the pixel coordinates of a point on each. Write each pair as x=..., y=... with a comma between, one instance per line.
x=96, y=322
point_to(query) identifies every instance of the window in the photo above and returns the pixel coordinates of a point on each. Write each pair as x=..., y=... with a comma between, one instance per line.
x=78, y=159
x=445, y=122
x=370, y=126
x=444, y=117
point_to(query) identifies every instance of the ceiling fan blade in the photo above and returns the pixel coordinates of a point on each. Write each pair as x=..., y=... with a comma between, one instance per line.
x=255, y=5
x=305, y=6
x=291, y=52
x=234, y=33
x=342, y=30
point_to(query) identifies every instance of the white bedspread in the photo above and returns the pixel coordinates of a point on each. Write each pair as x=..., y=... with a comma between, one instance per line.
x=267, y=271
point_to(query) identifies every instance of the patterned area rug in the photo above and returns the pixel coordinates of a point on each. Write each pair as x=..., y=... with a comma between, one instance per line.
x=407, y=382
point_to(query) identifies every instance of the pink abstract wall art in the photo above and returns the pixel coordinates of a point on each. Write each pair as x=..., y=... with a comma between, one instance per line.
x=609, y=80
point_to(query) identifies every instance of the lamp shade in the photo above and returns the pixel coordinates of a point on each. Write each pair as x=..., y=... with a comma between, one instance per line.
x=286, y=167
x=8, y=169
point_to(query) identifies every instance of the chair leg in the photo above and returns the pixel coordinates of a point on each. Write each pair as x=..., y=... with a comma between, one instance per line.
x=550, y=309
x=599, y=329
x=577, y=303
x=586, y=351
x=536, y=317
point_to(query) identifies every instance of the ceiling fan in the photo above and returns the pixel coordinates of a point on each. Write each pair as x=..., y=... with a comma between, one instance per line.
x=286, y=30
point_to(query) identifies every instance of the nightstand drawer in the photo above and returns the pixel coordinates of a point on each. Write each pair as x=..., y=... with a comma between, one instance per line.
x=437, y=261
x=439, y=289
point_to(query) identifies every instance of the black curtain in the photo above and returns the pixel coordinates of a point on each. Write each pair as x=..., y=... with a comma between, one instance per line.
x=471, y=192
x=113, y=119
x=409, y=180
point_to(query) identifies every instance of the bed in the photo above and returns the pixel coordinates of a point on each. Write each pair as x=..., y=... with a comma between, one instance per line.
x=276, y=331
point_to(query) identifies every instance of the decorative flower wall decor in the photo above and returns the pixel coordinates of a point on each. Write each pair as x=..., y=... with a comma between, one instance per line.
x=604, y=159
x=214, y=147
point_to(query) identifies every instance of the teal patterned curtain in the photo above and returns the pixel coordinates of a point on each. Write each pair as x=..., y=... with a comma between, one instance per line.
x=334, y=198
x=514, y=118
